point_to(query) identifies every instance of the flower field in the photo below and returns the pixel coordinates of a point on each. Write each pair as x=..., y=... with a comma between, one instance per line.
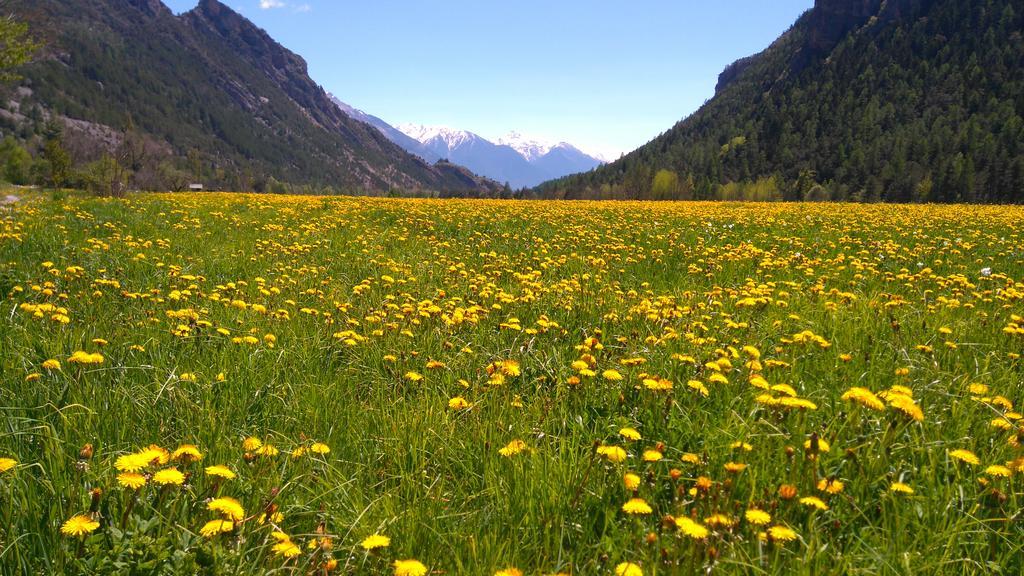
x=236, y=384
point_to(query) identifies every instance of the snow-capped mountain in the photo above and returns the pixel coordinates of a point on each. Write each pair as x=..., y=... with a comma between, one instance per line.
x=528, y=148
x=439, y=136
x=519, y=160
x=516, y=159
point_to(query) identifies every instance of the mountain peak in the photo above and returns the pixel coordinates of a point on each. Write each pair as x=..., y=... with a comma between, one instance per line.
x=452, y=138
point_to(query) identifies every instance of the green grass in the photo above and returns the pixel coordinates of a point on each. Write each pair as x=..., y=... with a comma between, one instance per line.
x=646, y=280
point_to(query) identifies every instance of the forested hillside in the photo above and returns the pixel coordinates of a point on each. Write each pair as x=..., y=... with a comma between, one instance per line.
x=896, y=100
x=205, y=96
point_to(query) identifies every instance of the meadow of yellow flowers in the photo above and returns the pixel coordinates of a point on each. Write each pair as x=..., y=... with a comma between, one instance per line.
x=240, y=384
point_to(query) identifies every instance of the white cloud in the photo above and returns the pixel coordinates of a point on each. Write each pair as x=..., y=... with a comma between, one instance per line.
x=268, y=4
x=303, y=8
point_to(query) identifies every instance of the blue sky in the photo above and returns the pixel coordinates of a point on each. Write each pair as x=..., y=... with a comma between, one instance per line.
x=606, y=75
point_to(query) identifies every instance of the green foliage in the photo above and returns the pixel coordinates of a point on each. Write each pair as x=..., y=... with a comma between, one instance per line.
x=924, y=102
x=665, y=185
x=16, y=47
x=105, y=177
x=16, y=162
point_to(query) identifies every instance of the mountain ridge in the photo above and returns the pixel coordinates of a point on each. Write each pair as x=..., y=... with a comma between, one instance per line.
x=208, y=83
x=895, y=100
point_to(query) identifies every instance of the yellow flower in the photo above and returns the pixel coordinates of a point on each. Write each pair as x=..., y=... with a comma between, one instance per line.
x=864, y=397
x=611, y=375
x=187, y=453
x=652, y=456
x=965, y=456
x=413, y=376
x=81, y=357
x=51, y=364
x=229, y=507
x=691, y=528
x=7, y=464
x=268, y=450
x=757, y=517
x=628, y=569
x=286, y=549
x=906, y=405
x=409, y=568
x=512, y=448
x=831, y=485
x=219, y=471
x=509, y=572
x=814, y=502
x=376, y=541
x=998, y=470
x=131, y=480
x=251, y=444
x=169, y=477
x=320, y=448
x=636, y=506
x=458, y=403
x=900, y=488
x=631, y=481
x=614, y=454
x=216, y=527
x=79, y=525
x=781, y=534
x=630, y=434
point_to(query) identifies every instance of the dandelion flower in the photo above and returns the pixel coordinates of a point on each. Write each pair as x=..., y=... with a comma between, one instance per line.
x=652, y=456
x=216, y=527
x=814, y=502
x=219, y=471
x=227, y=506
x=409, y=568
x=458, y=403
x=7, y=464
x=131, y=480
x=831, y=485
x=320, y=448
x=781, y=534
x=80, y=525
x=864, y=397
x=187, y=453
x=376, y=541
x=614, y=454
x=998, y=470
x=512, y=448
x=81, y=357
x=509, y=572
x=636, y=506
x=169, y=477
x=51, y=364
x=630, y=434
x=251, y=444
x=628, y=569
x=631, y=481
x=907, y=406
x=900, y=488
x=757, y=517
x=965, y=456
x=286, y=549
x=611, y=375
x=691, y=528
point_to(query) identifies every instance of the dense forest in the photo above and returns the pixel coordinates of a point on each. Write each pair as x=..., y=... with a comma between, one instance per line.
x=133, y=96
x=864, y=100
